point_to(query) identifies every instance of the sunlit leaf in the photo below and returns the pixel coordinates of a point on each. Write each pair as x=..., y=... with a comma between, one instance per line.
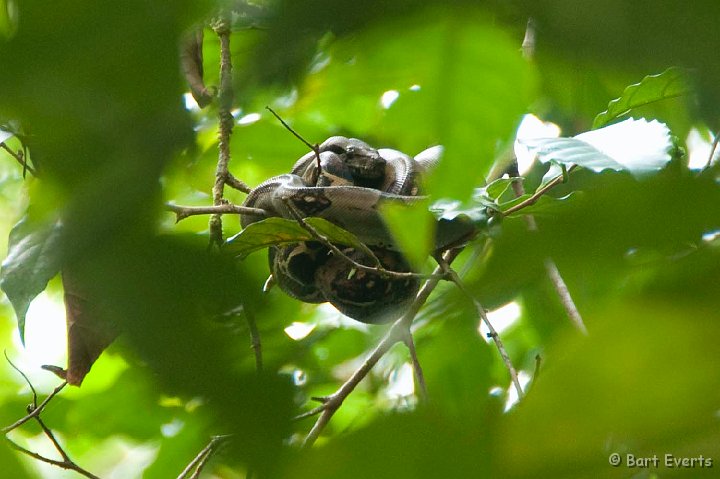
x=33, y=259
x=637, y=146
x=671, y=83
x=5, y=135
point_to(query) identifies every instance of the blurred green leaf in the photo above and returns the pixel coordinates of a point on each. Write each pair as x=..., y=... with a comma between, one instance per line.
x=413, y=229
x=660, y=365
x=33, y=259
x=10, y=464
x=671, y=83
x=423, y=444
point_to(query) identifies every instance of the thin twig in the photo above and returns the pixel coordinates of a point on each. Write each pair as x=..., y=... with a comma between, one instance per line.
x=712, y=151
x=254, y=339
x=69, y=465
x=237, y=183
x=34, y=409
x=20, y=157
x=417, y=368
x=198, y=463
x=315, y=148
x=182, y=212
x=538, y=193
x=493, y=332
x=550, y=267
x=564, y=294
x=53, y=439
x=35, y=412
x=27, y=380
x=377, y=269
x=396, y=333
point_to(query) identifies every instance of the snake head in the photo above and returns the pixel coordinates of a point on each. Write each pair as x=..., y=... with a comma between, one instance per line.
x=363, y=162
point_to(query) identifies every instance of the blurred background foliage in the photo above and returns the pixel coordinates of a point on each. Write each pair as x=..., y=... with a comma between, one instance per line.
x=97, y=90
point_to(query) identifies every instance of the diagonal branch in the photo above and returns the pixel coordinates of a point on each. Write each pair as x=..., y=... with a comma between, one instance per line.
x=550, y=267
x=198, y=463
x=36, y=410
x=20, y=158
x=482, y=313
x=396, y=333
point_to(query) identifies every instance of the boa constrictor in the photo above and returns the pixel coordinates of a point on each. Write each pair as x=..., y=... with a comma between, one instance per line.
x=353, y=180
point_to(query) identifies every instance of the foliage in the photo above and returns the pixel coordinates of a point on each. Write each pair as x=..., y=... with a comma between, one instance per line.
x=633, y=231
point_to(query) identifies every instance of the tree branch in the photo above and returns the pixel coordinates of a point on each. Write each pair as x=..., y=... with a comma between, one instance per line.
x=20, y=158
x=182, y=212
x=225, y=118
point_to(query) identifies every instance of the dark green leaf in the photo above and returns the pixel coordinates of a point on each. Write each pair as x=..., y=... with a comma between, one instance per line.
x=33, y=259
x=671, y=83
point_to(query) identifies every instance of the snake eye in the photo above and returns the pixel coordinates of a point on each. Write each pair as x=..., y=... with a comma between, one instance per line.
x=337, y=149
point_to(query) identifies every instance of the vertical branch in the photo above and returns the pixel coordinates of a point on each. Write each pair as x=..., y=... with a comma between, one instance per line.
x=528, y=49
x=225, y=119
x=254, y=338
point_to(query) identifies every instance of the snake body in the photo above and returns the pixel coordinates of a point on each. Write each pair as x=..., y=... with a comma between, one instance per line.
x=352, y=182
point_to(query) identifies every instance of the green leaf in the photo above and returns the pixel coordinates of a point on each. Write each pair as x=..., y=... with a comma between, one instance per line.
x=653, y=88
x=33, y=259
x=496, y=188
x=636, y=146
x=273, y=231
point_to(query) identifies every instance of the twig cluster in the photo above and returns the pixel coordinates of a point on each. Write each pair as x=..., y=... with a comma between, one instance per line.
x=33, y=413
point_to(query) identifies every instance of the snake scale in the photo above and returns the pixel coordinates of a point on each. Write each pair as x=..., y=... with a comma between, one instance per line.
x=353, y=180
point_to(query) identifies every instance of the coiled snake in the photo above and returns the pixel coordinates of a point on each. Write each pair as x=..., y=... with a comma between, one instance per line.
x=353, y=180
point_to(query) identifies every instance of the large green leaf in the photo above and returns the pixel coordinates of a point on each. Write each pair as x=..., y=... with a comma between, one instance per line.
x=33, y=259
x=276, y=231
x=671, y=83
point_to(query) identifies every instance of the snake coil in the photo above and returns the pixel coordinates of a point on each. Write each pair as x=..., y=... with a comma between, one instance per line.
x=353, y=180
